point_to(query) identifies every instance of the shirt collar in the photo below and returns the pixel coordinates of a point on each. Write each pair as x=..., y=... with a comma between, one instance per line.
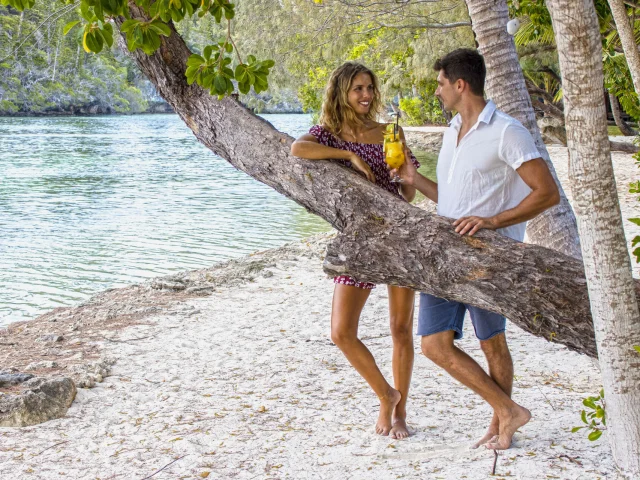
x=487, y=113
x=485, y=116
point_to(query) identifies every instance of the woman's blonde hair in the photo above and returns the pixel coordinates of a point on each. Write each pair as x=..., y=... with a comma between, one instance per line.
x=335, y=105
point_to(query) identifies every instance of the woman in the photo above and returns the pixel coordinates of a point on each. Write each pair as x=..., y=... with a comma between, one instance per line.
x=348, y=131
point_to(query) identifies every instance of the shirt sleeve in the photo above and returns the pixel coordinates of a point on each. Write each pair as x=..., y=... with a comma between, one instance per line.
x=317, y=131
x=517, y=146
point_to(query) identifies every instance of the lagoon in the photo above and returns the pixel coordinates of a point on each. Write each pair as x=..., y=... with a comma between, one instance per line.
x=90, y=203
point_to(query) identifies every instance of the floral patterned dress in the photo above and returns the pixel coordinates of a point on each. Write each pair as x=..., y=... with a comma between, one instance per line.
x=373, y=155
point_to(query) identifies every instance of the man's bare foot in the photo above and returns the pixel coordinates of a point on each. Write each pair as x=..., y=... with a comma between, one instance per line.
x=399, y=429
x=387, y=404
x=490, y=435
x=519, y=417
x=493, y=431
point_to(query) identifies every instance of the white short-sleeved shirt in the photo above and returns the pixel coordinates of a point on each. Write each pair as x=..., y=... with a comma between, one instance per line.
x=478, y=176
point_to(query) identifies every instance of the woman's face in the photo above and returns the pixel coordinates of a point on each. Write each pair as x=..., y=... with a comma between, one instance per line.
x=361, y=93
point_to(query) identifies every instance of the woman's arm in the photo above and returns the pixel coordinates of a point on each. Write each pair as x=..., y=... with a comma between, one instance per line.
x=307, y=147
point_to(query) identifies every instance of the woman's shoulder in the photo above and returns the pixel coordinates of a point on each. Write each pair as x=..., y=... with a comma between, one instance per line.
x=323, y=134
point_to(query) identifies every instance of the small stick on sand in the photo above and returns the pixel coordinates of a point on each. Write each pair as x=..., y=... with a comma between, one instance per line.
x=495, y=462
x=170, y=463
x=48, y=448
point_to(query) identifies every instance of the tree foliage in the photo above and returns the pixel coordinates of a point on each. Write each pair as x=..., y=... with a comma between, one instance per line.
x=41, y=70
x=536, y=43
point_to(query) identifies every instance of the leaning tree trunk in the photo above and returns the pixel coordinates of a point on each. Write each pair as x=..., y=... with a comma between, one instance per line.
x=384, y=239
x=627, y=39
x=556, y=228
x=625, y=129
x=611, y=288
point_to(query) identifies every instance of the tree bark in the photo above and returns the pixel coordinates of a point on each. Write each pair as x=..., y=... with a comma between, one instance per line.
x=617, y=116
x=556, y=228
x=384, y=239
x=608, y=270
x=627, y=39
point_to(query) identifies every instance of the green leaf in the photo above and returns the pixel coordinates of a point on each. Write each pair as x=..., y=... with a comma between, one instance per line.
x=69, y=26
x=636, y=348
x=195, y=61
x=588, y=402
x=127, y=25
x=251, y=59
x=595, y=435
x=107, y=36
x=244, y=87
x=240, y=73
x=575, y=429
x=583, y=416
x=220, y=84
x=228, y=47
x=207, y=81
x=161, y=28
x=635, y=220
x=268, y=63
x=207, y=52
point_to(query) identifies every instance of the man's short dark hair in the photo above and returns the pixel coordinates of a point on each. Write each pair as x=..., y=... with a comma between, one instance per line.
x=465, y=64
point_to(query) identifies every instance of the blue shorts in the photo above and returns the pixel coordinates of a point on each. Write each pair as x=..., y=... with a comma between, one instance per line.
x=439, y=315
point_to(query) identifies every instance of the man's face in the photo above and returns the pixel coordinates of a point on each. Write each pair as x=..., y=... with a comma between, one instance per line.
x=447, y=92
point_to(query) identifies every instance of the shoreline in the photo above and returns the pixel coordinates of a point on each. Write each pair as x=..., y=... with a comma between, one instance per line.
x=123, y=114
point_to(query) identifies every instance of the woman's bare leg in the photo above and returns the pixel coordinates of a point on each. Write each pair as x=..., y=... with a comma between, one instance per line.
x=348, y=302
x=401, y=301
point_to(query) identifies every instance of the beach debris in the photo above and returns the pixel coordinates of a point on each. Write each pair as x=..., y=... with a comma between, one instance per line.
x=52, y=337
x=40, y=400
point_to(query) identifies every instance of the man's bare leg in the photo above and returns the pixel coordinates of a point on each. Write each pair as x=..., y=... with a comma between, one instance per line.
x=401, y=301
x=500, y=365
x=440, y=349
x=348, y=302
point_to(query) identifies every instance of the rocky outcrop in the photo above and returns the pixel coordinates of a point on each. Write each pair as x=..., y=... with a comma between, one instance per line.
x=37, y=400
x=427, y=139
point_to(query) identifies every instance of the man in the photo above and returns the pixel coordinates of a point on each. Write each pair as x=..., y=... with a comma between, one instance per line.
x=490, y=175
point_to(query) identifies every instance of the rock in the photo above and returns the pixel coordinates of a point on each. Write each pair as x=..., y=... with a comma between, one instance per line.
x=9, y=379
x=41, y=399
x=429, y=141
x=40, y=365
x=51, y=338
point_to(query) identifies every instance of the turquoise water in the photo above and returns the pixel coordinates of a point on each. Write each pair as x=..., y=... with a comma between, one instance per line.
x=89, y=203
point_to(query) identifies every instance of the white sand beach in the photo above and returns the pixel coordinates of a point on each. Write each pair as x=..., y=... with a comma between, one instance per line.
x=232, y=376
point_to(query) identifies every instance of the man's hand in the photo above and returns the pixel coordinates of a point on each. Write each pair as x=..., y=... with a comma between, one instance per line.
x=407, y=172
x=473, y=224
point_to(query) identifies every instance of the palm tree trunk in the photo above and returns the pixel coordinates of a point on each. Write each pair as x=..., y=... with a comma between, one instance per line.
x=606, y=259
x=556, y=228
x=617, y=116
x=625, y=32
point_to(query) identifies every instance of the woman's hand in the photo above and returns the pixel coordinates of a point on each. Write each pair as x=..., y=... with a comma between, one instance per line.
x=407, y=172
x=361, y=166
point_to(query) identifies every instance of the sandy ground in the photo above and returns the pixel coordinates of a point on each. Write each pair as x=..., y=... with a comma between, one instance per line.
x=244, y=383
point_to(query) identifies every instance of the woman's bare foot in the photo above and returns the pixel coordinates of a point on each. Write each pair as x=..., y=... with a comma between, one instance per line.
x=492, y=432
x=387, y=403
x=399, y=429
x=519, y=417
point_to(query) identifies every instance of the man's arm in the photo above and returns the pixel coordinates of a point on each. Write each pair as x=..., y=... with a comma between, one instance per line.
x=544, y=194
